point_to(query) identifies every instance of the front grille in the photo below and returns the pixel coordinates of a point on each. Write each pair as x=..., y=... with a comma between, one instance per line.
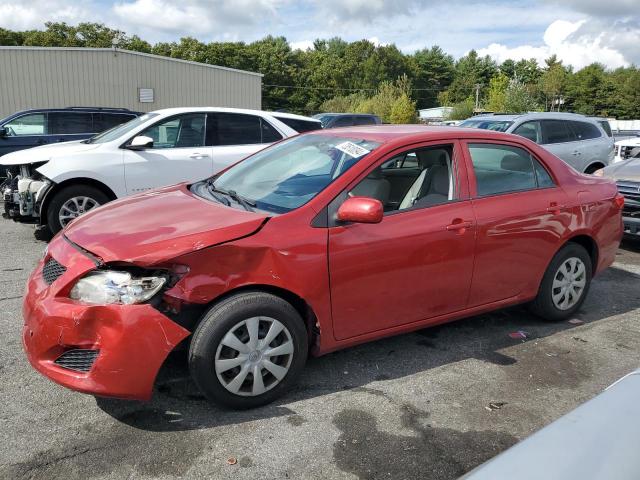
x=52, y=270
x=79, y=359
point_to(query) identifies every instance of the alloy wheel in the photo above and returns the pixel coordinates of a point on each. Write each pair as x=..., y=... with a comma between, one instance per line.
x=74, y=207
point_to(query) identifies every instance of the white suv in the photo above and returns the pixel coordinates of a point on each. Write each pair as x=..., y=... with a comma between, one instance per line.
x=55, y=184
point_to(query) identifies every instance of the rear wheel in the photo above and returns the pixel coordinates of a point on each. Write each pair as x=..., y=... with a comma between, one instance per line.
x=248, y=350
x=72, y=202
x=565, y=283
x=591, y=169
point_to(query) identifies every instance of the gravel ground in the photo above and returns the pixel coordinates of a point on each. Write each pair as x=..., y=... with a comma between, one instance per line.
x=412, y=406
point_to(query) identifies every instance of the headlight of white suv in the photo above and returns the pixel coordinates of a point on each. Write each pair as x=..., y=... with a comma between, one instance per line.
x=109, y=287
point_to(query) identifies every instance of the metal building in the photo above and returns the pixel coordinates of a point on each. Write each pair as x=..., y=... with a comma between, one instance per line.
x=44, y=77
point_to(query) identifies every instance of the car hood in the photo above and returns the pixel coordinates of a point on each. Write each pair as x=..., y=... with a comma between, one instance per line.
x=626, y=170
x=45, y=153
x=159, y=225
x=629, y=142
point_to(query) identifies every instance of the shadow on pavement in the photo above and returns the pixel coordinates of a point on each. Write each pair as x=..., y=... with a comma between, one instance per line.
x=177, y=404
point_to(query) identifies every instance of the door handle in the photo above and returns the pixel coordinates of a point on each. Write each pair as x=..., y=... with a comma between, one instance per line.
x=198, y=155
x=575, y=153
x=459, y=225
x=40, y=142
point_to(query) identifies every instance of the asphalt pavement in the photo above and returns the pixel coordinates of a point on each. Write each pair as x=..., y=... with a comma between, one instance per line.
x=429, y=405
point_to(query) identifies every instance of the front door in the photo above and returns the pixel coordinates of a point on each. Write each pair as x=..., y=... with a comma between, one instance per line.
x=414, y=265
x=26, y=131
x=178, y=154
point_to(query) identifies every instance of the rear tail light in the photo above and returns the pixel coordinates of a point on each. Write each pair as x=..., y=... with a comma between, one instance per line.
x=619, y=201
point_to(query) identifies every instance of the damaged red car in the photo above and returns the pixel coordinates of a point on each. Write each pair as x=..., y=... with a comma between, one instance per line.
x=317, y=243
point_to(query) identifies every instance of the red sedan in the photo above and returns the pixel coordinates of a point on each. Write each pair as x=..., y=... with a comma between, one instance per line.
x=320, y=242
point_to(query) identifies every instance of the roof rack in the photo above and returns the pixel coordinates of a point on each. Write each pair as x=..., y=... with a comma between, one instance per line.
x=119, y=109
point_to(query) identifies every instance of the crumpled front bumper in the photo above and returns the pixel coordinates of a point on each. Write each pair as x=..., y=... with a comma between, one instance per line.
x=132, y=340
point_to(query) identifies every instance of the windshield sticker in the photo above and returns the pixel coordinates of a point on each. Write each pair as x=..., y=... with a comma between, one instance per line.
x=352, y=149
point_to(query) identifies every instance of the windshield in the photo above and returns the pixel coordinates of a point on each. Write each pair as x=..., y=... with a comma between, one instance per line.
x=119, y=130
x=495, y=125
x=292, y=172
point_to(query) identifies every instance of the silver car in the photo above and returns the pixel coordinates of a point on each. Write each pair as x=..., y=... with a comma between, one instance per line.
x=627, y=176
x=578, y=140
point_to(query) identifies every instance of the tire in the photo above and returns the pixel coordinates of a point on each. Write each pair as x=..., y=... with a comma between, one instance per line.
x=591, y=169
x=211, y=358
x=95, y=197
x=550, y=304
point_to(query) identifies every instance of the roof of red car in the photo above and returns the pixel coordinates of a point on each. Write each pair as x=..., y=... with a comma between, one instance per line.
x=388, y=133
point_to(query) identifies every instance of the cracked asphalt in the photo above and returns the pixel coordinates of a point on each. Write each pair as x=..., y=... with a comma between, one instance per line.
x=412, y=406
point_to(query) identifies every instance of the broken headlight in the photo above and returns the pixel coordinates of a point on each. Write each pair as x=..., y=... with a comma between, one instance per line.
x=115, y=287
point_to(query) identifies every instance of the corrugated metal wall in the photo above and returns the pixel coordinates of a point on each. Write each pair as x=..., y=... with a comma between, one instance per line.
x=54, y=78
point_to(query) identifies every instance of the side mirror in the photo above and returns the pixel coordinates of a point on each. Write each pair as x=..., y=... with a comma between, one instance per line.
x=3, y=132
x=140, y=143
x=361, y=210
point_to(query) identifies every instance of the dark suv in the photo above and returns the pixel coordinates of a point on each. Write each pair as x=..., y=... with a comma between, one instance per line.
x=335, y=120
x=31, y=128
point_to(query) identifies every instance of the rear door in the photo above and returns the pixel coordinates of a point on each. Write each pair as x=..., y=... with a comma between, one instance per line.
x=104, y=121
x=594, y=146
x=68, y=126
x=521, y=214
x=235, y=136
x=559, y=139
x=26, y=131
x=414, y=265
x=179, y=154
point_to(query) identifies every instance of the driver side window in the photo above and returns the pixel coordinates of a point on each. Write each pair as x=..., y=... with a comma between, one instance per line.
x=30, y=124
x=414, y=179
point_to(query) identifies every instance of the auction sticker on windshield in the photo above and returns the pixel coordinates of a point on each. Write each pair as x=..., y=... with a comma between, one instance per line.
x=352, y=149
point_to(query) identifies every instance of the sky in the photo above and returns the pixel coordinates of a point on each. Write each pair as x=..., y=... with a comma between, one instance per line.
x=579, y=32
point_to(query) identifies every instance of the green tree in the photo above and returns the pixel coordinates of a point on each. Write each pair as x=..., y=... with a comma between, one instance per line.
x=497, y=95
x=403, y=110
x=462, y=110
x=433, y=72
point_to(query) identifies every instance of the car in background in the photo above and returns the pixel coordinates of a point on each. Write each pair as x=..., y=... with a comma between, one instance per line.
x=299, y=123
x=322, y=241
x=336, y=120
x=626, y=149
x=627, y=176
x=598, y=440
x=57, y=183
x=31, y=128
x=578, y=140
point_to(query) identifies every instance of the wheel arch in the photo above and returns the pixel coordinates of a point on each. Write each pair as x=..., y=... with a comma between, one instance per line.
x=589, y=245
x=46, y=201
x=302, y=307
x=593, y=166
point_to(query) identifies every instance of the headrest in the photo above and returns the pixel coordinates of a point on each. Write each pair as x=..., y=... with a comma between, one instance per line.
x=515, y=163
x=429, y=158
x=440, y=180
x=375, y=174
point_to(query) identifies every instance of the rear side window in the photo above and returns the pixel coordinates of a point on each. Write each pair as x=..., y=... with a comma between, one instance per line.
x=365, y=120
x=233, y=129
x=530, y=130
x=557, y=131
x=343, y=122
x=503, y=169
x=584, y=130
x=269, y=134
x=105, y=121
x=606, y=127
x=70, y=123
x=300, y=126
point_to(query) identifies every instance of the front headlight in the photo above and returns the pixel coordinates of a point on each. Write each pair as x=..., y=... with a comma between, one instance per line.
x=109, y=287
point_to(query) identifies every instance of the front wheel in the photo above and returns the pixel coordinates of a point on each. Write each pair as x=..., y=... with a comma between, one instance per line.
x=565, y=284
x=248, y=350
x=72, y=202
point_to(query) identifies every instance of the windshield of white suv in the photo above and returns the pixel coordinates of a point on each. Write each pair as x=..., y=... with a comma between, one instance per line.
x=289, y=174
x=495, y=125
x=119, y=130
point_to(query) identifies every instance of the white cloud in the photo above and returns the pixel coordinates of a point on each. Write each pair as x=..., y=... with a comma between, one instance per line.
x=33, y=14
x=302, y=45
x=563, y=39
